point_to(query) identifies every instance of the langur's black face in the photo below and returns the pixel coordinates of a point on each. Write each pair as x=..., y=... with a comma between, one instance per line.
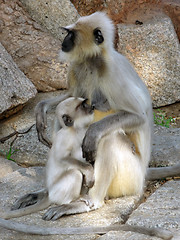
x=69, y=41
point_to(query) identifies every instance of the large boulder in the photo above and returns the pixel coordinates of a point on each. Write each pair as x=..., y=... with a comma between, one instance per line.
x=35, y=51
x=153, y=49
x=52, y=14
x=15, y=88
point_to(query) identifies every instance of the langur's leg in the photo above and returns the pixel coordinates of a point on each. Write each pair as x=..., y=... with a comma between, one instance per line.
x=29, y=199
x=119, y=168
x=66, y=189
x=105, y=169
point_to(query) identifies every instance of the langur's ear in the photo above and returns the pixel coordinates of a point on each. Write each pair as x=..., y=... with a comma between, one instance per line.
x=68, y=121
x=98, y=36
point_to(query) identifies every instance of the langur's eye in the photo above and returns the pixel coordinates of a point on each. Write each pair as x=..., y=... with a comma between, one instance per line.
x=98, y=36
x=68, y=121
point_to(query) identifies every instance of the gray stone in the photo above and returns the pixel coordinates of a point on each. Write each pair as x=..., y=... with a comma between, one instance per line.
x=15, y=88
x=153, y=49
x=30, y=151
x=161, y=209
x=52, y=14
x=7, y=166
x=121, y=235
x=34, y=50
x=27, y=180
x=166, y=146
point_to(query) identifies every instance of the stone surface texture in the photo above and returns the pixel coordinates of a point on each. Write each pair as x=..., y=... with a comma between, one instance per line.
x=7, y=166
x=126, y=236
x=15, y=88
x=33, y=49
x=153, y=49
x=161, y=209
x=52, y=14
x=166, y=146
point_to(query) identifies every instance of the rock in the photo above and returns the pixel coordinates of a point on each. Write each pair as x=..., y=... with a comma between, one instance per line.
x=161, y=209
x=126, y=236
x=153, y=48
x=30, y=151
x=15, y=87
x=7, y=167
x=166, y=146
x=27, y=180
x=52, y=14
x=33, y=49
x=21, y=182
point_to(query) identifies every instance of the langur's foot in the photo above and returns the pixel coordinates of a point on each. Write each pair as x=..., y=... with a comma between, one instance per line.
x=29, y=199
x=25, y=201
x=54, y=213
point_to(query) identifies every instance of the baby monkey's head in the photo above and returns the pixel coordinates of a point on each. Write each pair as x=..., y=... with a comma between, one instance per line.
x=75, y=112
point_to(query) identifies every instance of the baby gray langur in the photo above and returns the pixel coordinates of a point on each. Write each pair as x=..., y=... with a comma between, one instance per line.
x=67, y=172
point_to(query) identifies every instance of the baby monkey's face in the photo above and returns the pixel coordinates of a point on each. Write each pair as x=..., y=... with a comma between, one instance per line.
x=75, y=112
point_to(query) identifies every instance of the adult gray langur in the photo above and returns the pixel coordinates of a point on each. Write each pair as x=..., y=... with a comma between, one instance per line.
x=119, y=140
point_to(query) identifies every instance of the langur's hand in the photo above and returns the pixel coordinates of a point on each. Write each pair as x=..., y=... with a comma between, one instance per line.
x=41, y=124
x=89, y=145
x=88, y=180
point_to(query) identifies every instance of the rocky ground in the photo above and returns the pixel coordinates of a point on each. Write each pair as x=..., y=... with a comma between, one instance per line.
x=158, y=207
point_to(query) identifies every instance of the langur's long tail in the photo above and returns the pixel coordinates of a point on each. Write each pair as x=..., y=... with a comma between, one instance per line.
x=24, y=228
x=163, y=172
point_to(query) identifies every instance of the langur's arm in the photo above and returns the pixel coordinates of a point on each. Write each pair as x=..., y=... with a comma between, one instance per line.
x=41, y=120
x=85, y=168
x=122, y=121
